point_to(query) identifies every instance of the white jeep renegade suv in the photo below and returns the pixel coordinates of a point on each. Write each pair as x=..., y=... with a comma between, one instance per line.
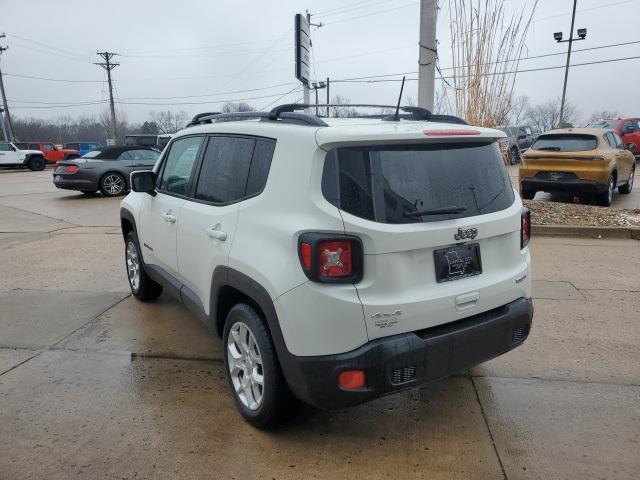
x=339, y=259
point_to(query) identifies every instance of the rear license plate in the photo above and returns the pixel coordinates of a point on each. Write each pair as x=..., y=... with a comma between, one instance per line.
x=457, y=261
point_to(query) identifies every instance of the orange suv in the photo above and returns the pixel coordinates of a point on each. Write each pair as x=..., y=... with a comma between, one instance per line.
x=578, y=160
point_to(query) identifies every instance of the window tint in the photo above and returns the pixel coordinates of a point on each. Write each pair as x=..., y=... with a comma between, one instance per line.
x=385, y=184
x=151, y=155
x=92, y=154
x=125, y=156
x=565, y=142
x=225, y=168
x=179, y=165
x=5, y=147
x=609, y=140
x=260, y=164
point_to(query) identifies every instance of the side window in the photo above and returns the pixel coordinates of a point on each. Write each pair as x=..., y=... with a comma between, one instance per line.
x=144, y=155
x=5, y=147
x=125, y=155
x=260, y=165
x=49, y=147
x=179, y=164
x=610, y=142
x=34, y=146
x=225, y=169
x=626, y=125
x=618, y=141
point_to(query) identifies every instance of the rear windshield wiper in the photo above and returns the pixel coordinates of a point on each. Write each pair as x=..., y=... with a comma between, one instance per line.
x=435, y=211
x=552, y=149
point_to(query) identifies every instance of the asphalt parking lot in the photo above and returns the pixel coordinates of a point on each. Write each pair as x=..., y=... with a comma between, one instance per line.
x=94, y=384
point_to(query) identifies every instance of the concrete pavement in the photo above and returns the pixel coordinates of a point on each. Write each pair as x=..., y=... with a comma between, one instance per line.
x=94, y=384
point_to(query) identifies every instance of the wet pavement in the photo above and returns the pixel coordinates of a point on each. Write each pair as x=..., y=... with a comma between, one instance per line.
x=94, y=384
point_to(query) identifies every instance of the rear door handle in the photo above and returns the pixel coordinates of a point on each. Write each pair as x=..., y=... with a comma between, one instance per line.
x=217, y=233
x=169, y=218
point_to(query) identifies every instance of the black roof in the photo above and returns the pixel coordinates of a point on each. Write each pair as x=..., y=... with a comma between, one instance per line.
x=114, y=152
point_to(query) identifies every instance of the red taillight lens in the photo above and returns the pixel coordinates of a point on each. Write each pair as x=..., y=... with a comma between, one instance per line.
x=335, y=259
x=305, y=255
x=331, y=258
x=352, y=379
x=66, y=169
x=525, y=228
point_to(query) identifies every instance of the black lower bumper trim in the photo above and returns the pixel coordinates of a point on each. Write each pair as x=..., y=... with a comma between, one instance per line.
x=580, y=186
x=401, y=361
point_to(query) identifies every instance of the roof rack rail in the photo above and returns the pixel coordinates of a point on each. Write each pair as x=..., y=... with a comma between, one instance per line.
x=291, y=113
x=286, y=115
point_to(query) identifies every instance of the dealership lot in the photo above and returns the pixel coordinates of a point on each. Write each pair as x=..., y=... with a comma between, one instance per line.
x=94, y=384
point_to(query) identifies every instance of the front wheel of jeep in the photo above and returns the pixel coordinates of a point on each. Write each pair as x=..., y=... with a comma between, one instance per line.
x=142, y=286
x=36, y=164
x=257, y=384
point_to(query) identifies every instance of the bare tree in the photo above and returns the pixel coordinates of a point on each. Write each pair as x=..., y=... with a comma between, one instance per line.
x=546, y=115
x=603, y=114
x=122, y=126
x=231, y=107
x=519, y=107
x=169, y=122
x=342, y=111
x=486, y=46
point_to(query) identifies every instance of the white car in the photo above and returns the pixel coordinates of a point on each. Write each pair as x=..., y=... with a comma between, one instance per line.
x=339, y=259
x=12, y=156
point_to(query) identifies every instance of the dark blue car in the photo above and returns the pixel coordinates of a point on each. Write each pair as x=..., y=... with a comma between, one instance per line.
x=83, y=147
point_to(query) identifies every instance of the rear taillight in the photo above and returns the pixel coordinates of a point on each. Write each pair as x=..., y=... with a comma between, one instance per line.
x=66, y=169
x=331, y=258
x=525, y=227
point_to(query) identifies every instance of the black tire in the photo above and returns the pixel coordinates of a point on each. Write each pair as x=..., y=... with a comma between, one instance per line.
x=514, y=155
x=605, y=198
x=113, y=184
x=276, y=398
x=144, y=288
x=527, y=194
x=627, y=187
x=36, y=164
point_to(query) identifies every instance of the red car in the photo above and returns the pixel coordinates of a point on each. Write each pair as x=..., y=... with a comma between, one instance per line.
x=628, y=128
x=52, y=154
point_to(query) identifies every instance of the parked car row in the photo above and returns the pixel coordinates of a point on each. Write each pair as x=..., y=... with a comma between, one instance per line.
x=519, y=138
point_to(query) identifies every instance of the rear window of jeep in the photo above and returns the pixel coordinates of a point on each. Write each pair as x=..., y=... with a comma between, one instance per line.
x=417, y=183
x=566, y=143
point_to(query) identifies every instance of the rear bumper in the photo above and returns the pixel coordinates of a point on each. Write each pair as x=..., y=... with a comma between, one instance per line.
x=66, y=183
x=576, y=186
x=403, y=361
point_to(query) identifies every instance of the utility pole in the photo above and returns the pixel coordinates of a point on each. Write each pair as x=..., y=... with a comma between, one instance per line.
x=328, y=101
x=7, y=116
x=5, y=135
x=428, y=53
x=108, y=65
x=582, y=33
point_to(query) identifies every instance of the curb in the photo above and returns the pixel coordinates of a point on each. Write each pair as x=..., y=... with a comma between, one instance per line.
x=585, y=231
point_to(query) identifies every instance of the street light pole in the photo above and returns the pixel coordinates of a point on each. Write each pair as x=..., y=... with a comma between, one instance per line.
x=582, y=33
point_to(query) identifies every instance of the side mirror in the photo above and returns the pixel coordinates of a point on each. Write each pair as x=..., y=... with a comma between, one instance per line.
x=630, y=146
x=144, y=181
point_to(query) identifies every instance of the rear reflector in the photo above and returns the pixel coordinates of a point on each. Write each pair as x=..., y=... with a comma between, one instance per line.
x=352, y=380
x=305, y=255
x=525, y=227
x=445, y=133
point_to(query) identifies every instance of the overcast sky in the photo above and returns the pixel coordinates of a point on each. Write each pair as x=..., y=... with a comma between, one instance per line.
x=191, y=54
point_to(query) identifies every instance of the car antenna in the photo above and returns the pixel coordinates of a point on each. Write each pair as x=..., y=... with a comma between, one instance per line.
x=396, y=116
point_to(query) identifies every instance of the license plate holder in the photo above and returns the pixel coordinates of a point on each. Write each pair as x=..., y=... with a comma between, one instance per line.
x=457, y=261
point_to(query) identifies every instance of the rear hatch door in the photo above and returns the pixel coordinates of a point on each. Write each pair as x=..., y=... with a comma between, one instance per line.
x=440, y=226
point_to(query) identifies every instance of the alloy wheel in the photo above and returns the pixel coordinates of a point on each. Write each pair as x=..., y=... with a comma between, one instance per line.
x=611, y=188
x=133, y=266
x=113, y=184
x=245, y=366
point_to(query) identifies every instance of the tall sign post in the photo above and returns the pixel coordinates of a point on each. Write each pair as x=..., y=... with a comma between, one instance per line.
x=303, y=53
